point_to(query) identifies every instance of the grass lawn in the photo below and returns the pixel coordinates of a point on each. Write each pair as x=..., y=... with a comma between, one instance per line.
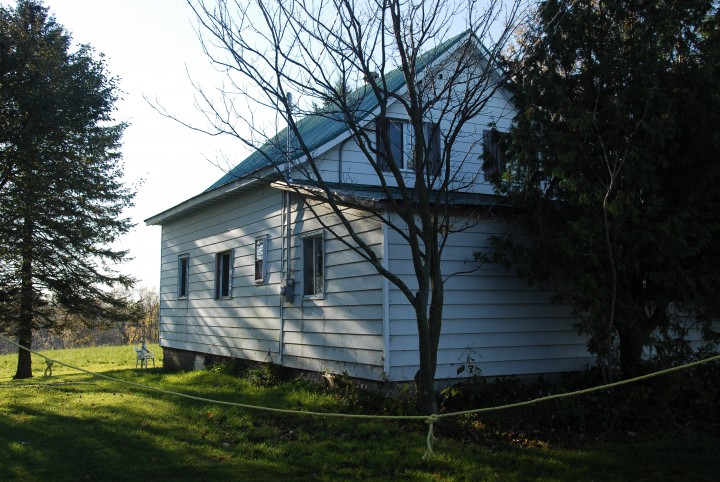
x=75, y=427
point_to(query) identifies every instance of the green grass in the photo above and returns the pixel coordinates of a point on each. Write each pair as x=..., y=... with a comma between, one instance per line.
x=73, y=426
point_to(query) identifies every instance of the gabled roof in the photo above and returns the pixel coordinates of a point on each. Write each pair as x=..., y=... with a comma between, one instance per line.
x=317, y=129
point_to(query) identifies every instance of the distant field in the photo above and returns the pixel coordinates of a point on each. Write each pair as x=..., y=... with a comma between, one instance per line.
x=96, y=359
x=75, y=427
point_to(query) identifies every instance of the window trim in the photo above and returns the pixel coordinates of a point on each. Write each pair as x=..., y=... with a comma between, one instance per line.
x=222, y=276
x=315, y=295
x=183, y=279
x=262, y=278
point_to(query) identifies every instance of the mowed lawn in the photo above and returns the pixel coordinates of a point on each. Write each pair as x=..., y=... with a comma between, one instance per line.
x=73, y=426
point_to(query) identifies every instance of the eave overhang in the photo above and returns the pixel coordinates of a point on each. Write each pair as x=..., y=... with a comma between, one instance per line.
x=376, y=197
x=209, y=198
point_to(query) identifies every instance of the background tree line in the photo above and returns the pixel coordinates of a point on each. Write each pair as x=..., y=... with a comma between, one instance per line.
x=68, y=331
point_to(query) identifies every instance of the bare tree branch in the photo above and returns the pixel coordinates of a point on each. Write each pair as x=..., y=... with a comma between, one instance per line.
x=362, y=62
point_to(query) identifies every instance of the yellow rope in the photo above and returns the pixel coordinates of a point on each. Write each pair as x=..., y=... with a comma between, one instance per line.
x=430, y=420
x=430, y=437
x=583, y=391
x=219, y=402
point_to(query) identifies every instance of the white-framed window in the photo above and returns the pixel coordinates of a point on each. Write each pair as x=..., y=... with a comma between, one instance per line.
x=183, y=276
x=494, y=145
x=314, y=264
x=401, y=142
x=261, y=247
x=223, y=274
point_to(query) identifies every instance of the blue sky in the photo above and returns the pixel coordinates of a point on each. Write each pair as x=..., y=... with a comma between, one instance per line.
x=152, y=46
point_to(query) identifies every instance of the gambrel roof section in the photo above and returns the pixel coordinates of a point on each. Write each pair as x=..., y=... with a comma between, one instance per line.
x=319, y=131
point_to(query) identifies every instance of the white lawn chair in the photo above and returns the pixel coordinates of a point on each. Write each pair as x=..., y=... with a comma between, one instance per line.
x=143, y=355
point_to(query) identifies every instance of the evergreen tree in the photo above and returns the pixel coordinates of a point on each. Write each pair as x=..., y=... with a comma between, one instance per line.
x=61, y=197
x=615, y=168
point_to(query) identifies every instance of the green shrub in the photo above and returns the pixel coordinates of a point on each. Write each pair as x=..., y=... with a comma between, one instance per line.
x=232, y=367
x=263, y=375
x=679, y=400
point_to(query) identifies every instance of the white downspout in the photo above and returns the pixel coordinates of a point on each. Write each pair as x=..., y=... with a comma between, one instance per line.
x=285, y=249
x=283, y=271
x=386, y=301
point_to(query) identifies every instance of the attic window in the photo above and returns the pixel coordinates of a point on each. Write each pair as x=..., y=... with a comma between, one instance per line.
x=431, y=133
x=395, y=130
x=494, y=145
x=401, y=141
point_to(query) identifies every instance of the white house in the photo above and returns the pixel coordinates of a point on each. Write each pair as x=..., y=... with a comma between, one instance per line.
x=248, y=271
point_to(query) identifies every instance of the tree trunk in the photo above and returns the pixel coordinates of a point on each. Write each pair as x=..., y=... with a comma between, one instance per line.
x=425, y=380
x=631, y=348
x=425, y=377
x=24, y=366
x=632, y=335
x=429, y=329
x=428, y=310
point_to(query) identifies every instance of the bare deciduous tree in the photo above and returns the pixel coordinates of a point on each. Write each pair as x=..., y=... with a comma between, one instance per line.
x=356, y=60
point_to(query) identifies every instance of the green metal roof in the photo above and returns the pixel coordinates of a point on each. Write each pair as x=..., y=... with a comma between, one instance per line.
x=321, y=127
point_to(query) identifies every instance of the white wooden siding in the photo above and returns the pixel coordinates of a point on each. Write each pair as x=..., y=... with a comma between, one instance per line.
x=343, y=330
x=362, y=324
x=489, y=316
x=246, y=325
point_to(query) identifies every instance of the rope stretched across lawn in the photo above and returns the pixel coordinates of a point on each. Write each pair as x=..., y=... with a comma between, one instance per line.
x=430, y=420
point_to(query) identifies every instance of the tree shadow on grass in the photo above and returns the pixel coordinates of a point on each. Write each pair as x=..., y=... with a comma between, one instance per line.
x=75, y=428
x=120, y=441
x=104, y=431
